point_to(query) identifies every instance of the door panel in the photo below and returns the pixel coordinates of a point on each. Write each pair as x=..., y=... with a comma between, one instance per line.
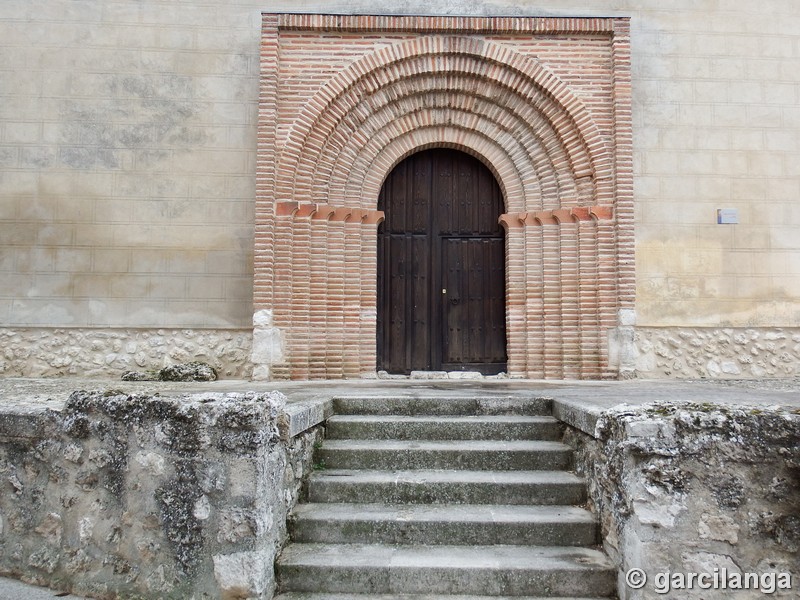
x=473, y=306
x=441, y=232
x=404, y=295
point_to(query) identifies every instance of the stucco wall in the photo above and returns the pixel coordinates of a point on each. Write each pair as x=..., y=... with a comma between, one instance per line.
x=128, y=136
x=127, y=143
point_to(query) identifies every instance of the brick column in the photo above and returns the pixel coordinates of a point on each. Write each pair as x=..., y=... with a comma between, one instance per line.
x=570, y=325
x=352, y=294
x=534, y=298
x=515, y=295
x=318, y=317
x=264, y=260
x=335, y=258
x=589, y=308
x=369, y=291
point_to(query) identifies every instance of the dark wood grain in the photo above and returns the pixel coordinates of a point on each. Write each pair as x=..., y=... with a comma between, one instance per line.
x=441, y=233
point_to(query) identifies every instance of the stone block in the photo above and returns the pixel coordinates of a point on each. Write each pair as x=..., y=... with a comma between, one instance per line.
x=428, y=375
x=464, y=375
x=718, y=527
x=242, y=574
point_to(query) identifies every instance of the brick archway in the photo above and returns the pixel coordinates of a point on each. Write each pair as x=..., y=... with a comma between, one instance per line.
x=560, y=150
x=440, y=82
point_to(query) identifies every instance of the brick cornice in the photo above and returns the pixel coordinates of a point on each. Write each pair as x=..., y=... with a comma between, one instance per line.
x=559, y=216
x=452, y=24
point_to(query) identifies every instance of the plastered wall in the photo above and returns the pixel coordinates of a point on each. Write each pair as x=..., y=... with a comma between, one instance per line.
x=127, y=143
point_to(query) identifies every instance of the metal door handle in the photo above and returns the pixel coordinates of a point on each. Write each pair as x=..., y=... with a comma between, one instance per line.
x=453, y=300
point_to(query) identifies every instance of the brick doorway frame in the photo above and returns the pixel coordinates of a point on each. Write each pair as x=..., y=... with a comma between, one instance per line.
x=544, y=103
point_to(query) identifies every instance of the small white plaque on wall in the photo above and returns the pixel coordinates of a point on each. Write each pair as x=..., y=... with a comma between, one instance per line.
x=727, y=216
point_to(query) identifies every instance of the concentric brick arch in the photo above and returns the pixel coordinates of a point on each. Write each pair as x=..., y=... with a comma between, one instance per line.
x=361, y=107
x=529, y=141
x=344, y=99
x=369, y=179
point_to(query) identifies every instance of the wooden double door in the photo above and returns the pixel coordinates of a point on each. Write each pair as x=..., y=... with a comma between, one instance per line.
x=441, y=266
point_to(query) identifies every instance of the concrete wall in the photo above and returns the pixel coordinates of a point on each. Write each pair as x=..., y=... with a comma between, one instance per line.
x=128, y=135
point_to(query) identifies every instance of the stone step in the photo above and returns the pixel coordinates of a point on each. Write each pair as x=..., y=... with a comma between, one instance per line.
x=483, y=570
x=447, y=487
x=313, y=596
x=444, y=454
x=443, y=427
x=443, y=524
x=431, y=405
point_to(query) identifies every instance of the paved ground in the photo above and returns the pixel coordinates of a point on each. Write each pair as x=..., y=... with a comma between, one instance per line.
x=11, y=589
x=52, y=393
x=592, y=396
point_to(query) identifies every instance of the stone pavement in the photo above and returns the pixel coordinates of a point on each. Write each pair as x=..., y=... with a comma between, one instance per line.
x=53, y=392
x=579, y=403
x=11, y=589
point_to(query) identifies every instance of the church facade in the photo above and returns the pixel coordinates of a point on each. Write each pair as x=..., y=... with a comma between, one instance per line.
x=301, y=190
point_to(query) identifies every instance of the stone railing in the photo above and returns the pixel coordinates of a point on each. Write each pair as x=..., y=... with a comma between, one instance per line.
x=686, y=488
x=149, y=497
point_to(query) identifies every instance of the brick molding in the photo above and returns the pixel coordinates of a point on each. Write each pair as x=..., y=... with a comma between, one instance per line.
x=543, y=102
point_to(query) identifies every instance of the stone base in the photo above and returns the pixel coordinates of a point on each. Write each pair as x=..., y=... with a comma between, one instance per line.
x=723, y=353
x=695, y=487
x=109, y=352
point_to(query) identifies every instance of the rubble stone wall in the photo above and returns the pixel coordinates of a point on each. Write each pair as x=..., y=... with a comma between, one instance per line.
x=716, y=352
x=682, y=488
x=48, y=352
x=652, y=352
x=150, y=497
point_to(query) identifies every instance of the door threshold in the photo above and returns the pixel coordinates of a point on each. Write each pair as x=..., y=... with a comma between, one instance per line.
x=441, y=375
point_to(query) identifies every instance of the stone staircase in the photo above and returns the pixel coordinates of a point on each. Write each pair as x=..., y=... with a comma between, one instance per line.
x=443, y=498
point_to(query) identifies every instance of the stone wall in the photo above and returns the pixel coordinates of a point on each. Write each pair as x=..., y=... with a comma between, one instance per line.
x=150, y=497
x=682, y=487
x=45, y=352
x=715, y=353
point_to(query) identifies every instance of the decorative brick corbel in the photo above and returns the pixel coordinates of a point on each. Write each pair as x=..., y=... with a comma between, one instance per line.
x=374, y=217
x=602, y=213
x=305, y=211
x=323, y=212
x=510, y=220
x=341, y=214
x=581, y=213
x=545, y=217
x=286, y=209
x=563, y=215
